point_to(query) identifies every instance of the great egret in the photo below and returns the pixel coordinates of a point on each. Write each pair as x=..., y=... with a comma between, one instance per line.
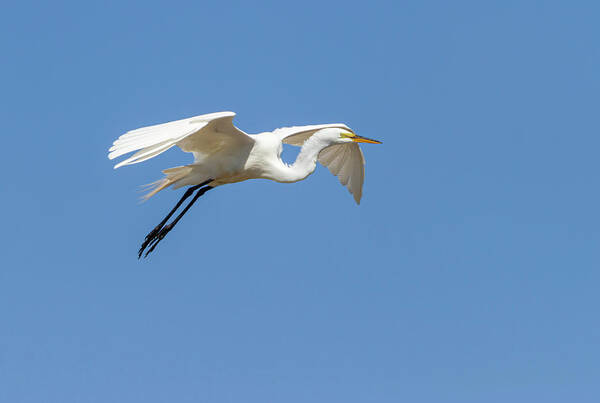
x=225, y=154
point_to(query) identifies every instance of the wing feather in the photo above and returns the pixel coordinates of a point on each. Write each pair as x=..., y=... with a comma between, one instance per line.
x=189, y=134
x=346, y=161
x=338, y=162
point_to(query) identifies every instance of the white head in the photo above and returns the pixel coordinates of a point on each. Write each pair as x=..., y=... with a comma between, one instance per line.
x=336, y=135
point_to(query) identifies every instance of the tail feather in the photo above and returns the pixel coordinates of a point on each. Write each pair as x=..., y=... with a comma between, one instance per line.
x=173, y=175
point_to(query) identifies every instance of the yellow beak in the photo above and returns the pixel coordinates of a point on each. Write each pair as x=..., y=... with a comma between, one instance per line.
x=359, y=139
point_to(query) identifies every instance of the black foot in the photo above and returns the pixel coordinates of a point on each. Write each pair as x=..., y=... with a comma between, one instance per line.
x=149, y=238
x=153, y=238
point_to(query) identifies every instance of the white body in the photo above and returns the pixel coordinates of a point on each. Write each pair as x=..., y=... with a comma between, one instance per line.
x=225, y=154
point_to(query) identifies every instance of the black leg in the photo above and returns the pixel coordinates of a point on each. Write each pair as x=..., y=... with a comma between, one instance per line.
x=158, y=233
x=153, y=233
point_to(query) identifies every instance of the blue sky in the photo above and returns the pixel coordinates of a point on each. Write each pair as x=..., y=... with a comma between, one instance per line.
x=469, y=272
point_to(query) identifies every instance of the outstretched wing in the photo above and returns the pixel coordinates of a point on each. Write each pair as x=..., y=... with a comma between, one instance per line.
x=200, y=134
x=346, y=161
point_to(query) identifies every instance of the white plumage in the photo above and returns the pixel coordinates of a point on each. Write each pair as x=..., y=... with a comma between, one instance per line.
x=225, y=154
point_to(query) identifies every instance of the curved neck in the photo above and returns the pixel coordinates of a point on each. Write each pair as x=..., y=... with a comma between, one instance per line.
x=305, y=163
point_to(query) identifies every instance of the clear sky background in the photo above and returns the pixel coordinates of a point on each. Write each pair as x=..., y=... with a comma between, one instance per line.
x=469, y=273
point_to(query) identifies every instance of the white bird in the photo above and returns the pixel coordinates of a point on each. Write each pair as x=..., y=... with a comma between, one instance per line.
x=224, y=154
